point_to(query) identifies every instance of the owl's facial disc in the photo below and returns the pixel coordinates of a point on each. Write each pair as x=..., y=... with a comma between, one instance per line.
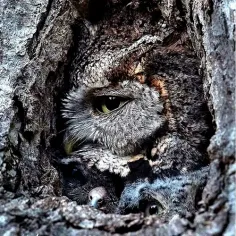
x=140, y=197
x=109, y=126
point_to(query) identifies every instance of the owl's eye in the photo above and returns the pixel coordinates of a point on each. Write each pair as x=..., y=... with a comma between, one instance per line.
x=150, y=206
x=153, y=209
x=100, y=201
x=107, y=104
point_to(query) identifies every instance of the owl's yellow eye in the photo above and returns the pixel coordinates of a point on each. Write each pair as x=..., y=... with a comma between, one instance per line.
x=107, y=104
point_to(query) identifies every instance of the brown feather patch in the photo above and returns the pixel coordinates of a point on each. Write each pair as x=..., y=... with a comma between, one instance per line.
x=159, y=83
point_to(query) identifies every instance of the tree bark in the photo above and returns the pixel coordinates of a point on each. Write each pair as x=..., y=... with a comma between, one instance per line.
x=39, y=41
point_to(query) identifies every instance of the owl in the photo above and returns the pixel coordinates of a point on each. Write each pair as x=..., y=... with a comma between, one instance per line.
x=165, y=196
x=89, y=186
x=134, y=113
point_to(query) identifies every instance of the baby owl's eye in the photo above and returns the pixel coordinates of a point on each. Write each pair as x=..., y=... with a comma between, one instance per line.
x=107, y=104
x=150, y=206
x=153, y=209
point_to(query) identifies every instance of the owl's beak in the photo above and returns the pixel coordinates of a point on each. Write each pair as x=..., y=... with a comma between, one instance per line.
x=94, y=203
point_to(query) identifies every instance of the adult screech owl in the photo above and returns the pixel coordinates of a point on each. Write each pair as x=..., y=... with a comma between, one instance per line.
x=126, y=102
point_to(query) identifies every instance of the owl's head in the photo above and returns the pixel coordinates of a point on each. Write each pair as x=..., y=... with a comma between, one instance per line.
x=164, y=197
x=121, y=117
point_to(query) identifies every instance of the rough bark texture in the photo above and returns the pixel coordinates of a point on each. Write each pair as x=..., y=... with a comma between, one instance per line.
x=37, y=44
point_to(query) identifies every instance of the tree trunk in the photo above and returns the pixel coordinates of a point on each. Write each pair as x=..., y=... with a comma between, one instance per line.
x=40, y=43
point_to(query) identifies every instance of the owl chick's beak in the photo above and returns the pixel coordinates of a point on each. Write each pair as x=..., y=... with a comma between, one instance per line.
x=94, y=203
x=97, y=197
